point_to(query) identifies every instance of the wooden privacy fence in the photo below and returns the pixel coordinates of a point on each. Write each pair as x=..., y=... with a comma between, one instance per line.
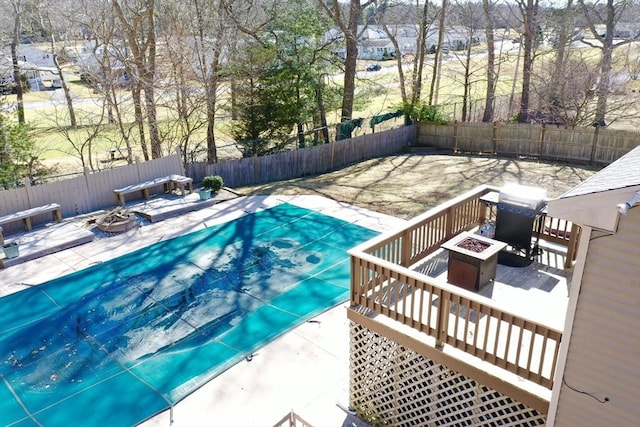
x=94, y=191
x=85, y=193
x=308, y=161
x=581, y=145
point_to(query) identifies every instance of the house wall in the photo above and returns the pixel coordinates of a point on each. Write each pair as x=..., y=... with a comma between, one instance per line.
x=601, y=382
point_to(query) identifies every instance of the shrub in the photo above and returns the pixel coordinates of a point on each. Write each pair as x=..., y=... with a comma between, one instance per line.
x=213, y=183
x=423, y=112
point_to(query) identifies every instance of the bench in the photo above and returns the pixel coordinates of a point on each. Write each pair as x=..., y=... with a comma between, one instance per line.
x=27, y=214
x=179, y=181
x=169, y=182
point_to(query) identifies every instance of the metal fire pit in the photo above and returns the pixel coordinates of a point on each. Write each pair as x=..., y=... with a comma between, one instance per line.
x=472, y=260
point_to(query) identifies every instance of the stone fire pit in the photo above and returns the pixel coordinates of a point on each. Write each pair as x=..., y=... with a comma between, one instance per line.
x=116, y=221
x=472, y=260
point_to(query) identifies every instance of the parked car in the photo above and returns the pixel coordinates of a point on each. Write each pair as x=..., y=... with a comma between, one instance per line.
x=374, y=67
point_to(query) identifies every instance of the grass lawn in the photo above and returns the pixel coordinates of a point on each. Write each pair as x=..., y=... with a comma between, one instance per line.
x=377, y=92
x=405, y=185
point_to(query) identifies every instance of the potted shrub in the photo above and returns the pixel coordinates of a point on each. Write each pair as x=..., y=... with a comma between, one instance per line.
x=210, y=184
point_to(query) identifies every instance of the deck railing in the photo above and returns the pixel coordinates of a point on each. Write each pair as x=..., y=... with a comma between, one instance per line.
x=382, y=281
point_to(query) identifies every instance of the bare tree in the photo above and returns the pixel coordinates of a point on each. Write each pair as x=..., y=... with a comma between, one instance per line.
x=386, y=16
x=530, y=32
x=106, y=69
x=192, y=36
x=608, y=14
x=80, y=140
x=138, y=25
x=349, y=27
x=210, y=39
x=465, y=17
x=48, y=24
x=421, y=49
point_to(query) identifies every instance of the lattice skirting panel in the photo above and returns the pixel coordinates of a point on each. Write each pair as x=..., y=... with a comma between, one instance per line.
x=391, y=385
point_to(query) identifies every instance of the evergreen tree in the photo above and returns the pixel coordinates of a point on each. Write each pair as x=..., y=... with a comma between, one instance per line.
x=18, y=154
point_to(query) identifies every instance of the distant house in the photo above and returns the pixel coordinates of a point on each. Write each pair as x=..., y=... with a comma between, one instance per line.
x=624, y=31
x=35, y=65
x=376, y=50
x=375, y=44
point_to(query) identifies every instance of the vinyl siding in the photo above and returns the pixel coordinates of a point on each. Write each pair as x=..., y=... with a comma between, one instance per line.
x=604, y=352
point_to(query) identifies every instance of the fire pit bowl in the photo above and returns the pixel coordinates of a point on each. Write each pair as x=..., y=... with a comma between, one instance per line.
x=116, y=221
x=474, y=245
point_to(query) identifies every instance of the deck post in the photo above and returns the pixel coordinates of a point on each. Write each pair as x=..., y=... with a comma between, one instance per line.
x=406, y=248
x=355, y=280
x=442, y=325
x=449, y=224
x=572, y=246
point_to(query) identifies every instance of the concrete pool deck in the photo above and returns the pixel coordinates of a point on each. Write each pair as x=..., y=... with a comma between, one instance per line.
x=305, y=370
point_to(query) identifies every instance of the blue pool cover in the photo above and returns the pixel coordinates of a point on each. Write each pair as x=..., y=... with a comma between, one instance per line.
x=118, y=342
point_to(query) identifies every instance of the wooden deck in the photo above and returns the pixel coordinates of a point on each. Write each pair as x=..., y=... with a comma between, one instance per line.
x=163, y=206
x=539, y=291
x=505, y=336
x=47, y=240
x=513, y=323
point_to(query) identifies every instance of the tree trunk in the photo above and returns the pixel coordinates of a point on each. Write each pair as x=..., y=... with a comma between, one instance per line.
x=322, y=113
x=212, y=91
x=137, y=109
x=435, y=80
x=558, y=76
x=421, y=50
x=529, y=12
x=466, y=104
x=144, y=62
x=489, y=103
x=17, y=78
x=350, y=62
x=350, y=32
x=65, y=87
x=149, y=81
x=605, y=67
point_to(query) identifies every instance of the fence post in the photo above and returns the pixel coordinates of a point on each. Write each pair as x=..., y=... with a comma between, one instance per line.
x=494, y=138
x=455, y=136
x=333, y=149
x=27, y=189
x=442, y=325
x=594, y=145
x=137, y=162
x=91, y=198
x=541, y=140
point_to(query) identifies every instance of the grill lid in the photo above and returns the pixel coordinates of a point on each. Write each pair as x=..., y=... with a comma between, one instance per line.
x=522, y=195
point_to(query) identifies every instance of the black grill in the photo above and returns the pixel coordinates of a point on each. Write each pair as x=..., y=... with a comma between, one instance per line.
x=520, y=228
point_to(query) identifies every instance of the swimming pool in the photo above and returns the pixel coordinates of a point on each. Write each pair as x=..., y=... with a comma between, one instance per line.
x=123, y=340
